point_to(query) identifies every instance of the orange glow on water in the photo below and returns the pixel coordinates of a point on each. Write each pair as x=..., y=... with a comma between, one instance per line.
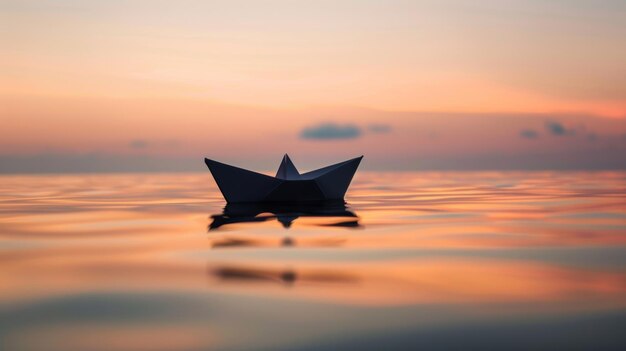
x=487, y=245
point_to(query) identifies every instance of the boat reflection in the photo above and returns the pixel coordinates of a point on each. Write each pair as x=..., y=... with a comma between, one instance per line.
x=282, y=276
x=219, y=243
x=286, y=214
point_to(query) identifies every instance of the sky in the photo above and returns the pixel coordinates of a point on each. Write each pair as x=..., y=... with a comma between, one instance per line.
x=447, y=84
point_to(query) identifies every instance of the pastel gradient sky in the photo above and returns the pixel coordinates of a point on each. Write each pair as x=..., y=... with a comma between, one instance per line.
x=445, y=84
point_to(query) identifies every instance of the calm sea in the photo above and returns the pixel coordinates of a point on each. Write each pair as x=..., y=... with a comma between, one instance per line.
x=478, y=260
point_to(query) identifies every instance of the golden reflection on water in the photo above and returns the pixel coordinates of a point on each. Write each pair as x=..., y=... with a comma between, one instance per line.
x=125, y=256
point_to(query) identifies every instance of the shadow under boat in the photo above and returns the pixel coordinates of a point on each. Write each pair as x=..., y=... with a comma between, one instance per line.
x=286, y=214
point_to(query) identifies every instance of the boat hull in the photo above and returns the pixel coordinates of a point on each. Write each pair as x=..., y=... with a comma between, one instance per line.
x=239, y=185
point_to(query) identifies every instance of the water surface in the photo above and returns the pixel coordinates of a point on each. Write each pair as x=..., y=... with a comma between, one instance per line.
x=477, y=260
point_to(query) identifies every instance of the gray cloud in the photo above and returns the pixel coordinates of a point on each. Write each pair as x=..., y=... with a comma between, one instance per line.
x=331, y=131
x=379, y=128
x=529, y=134
x=557, y=128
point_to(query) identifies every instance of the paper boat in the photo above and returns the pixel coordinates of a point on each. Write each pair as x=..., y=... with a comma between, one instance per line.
x=325, y=184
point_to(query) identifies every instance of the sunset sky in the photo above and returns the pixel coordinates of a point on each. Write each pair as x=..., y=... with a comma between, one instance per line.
x=435, y=84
